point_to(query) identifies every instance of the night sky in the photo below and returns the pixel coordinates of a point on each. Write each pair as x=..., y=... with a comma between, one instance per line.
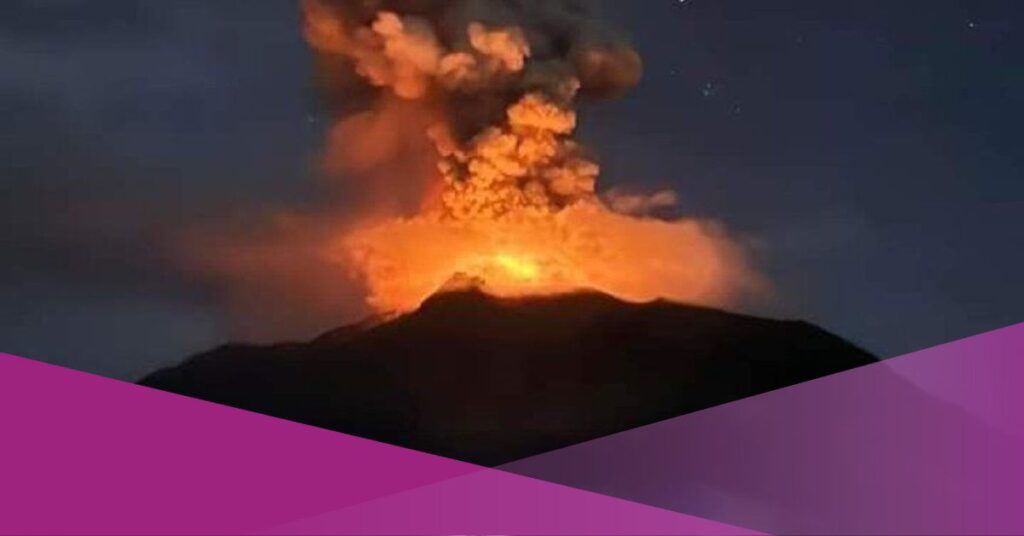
x=870, y=150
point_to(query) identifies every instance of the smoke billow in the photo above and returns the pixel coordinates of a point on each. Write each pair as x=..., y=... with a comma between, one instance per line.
x=460, y=81
x=453, y=133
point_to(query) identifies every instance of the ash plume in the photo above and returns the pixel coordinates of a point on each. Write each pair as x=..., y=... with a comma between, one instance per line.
x=457, y=71
x=452, y=142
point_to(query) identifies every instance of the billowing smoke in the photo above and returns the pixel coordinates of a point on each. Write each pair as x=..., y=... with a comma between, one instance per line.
x=483, y=47
x=453, y=134
x=473, y=76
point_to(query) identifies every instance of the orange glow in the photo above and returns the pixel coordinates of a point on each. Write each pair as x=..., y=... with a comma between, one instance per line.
x=512, y=203
x=520, y=268
x=450, y=160
x=584, y=246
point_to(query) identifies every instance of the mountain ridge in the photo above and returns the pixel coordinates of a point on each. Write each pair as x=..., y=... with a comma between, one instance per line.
x=490, y=380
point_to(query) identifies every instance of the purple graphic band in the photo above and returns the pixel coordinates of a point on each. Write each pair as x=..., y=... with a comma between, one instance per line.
x=81, y=454
x=928, y=443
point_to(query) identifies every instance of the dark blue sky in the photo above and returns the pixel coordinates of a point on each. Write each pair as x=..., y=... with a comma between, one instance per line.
x=869, y=148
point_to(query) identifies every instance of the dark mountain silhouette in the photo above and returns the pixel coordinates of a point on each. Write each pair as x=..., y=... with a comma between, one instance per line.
x=491, y=380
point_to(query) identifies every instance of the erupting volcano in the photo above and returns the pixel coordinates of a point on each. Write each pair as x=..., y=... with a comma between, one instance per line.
x=458, y=117
x=453, y=147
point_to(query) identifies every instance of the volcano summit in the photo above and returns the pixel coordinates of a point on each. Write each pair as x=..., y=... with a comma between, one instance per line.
x=491, y=380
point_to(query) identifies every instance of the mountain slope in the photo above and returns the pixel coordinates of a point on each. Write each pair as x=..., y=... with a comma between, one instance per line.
x=491, y=380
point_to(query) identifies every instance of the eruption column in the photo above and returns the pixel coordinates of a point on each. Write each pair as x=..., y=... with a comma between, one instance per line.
x=464, y=111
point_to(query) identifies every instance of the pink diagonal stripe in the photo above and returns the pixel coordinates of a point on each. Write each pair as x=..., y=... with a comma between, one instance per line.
x=85, y=454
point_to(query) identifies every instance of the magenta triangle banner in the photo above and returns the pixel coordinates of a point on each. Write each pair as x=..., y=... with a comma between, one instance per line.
x=82, y=454
x=927, y=443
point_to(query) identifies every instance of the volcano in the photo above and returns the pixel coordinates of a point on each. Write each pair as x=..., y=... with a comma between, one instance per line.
x=491, y=380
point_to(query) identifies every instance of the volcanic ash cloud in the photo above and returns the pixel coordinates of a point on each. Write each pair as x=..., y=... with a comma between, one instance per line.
x=451, y=156
x=456, y=120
